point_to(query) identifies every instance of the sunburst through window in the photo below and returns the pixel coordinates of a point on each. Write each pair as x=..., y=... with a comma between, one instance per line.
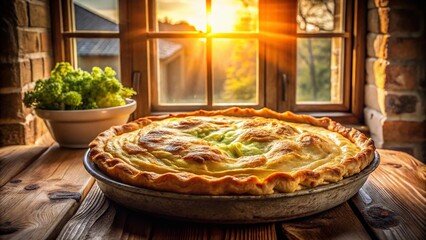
x=218, y=65
x=183, y=55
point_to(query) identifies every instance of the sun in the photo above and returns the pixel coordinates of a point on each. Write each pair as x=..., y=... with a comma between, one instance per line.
x=222, y=18
x=223, y=15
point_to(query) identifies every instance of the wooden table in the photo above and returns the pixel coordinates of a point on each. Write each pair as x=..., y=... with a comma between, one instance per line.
x=46, y=193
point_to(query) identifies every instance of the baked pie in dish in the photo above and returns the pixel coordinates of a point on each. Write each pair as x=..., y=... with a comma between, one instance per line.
x=231, y=152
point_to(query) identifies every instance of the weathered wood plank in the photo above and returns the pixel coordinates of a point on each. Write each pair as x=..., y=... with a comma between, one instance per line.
x=179, y=230
x=263, y=231
x=14, y=159
x=93, y=207
x=393, y=200
x=337, y=223
x=100, y=218
x=171, y=229
x=37, y=203
x=189, y=230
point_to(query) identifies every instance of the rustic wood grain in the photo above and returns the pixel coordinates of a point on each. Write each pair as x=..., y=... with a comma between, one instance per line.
x=257, y=231
x=38, y=202
x=98, y=217
x=393, y=200
x=14, y=159
x=188, y=230
x=337, y=223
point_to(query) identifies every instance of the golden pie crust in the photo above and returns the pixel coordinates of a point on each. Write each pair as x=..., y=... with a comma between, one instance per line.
x=230, y=152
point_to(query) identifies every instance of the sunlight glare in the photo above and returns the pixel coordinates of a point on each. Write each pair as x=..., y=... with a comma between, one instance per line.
x=225, y=15
x=222, y=18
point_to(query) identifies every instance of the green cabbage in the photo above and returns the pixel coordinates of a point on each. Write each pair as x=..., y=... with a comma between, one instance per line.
x=69, y=89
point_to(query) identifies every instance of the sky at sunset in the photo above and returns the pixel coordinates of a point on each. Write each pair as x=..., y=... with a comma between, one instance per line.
x=223, y=15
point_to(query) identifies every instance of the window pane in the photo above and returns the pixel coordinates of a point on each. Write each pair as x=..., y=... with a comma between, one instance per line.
x=181, y=65
x=100, y=52
x=234, y=15
x=319, y=70
x=320, y=16
x=181, y=15
x=235, y=71
x=96, y=15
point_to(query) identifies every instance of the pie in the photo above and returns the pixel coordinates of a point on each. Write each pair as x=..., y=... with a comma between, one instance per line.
x=231, y=152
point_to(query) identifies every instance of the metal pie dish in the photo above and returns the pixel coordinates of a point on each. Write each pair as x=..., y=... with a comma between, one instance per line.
x=231, y=208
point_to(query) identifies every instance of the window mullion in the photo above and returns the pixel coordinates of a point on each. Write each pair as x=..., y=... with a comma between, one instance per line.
x=209, y=61
x=91, y=34
x=324, y=35
x=67, y=18
x=209, y=73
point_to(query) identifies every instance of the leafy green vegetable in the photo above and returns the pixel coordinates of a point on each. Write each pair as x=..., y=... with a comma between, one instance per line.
x=69, y=89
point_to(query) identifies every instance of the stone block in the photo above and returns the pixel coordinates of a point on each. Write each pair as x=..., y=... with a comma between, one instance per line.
x=404, y=22
x=48, y=66
x=8, y=32
x=40, y=128
x=400, y=48
x=37, y=69
x=374, y=121
x=394, y=3
x=398, y=104
x=393, y=75
x=21, y=13
x=374, y=97
x=369, y=70
x=15, y=75
x=29, y=41
x=46, y=43
x=12, y=134
x=395, y=105
x=404, y=131
x=14, y=109
x=25, y=72
x=401, y=76
x=373, y=22
x=377, y=3
x=39, y=15
x=377, y=45
x=394, y=48
x=378, y=20
x=9, y=75
x=30, y=129
x=18, y=133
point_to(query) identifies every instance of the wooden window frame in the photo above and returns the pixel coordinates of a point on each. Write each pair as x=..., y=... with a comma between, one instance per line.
x=351, y=110
x=274, y=39
x=153, y=34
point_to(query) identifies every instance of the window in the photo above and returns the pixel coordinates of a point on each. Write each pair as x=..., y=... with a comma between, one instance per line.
x=204, y=54
x=304, y=56
x=323, y=38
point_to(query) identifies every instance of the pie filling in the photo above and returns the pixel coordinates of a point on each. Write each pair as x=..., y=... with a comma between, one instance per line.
x=219, y=146
x=231, y=153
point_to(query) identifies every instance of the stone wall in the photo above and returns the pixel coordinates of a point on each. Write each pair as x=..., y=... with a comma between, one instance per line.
x=25, y=56
x=395, y=74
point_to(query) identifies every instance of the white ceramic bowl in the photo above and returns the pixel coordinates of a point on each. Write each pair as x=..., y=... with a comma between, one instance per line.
x=77, y=128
